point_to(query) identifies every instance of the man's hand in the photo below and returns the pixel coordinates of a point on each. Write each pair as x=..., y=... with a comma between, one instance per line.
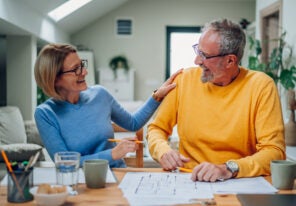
x=209, y=172
x=172, y=159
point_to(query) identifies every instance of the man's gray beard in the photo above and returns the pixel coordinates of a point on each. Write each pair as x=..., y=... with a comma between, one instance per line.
x=205, y=79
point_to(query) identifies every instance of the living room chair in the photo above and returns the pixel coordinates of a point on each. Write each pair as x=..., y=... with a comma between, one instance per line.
x=138, y=159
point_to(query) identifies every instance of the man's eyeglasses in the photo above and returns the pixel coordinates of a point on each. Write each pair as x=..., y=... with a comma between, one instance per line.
x=202, y=55
x=77, y=70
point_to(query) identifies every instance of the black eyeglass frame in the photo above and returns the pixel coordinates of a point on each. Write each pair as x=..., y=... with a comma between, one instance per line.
x=203, y=56
x=83, y=64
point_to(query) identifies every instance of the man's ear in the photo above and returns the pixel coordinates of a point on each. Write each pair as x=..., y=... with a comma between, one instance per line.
x=231, y=60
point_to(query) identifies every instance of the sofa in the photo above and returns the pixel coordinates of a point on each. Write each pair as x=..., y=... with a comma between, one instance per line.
x=18, y=138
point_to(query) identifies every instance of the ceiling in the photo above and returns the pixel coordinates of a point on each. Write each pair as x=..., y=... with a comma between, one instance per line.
x=70, y=24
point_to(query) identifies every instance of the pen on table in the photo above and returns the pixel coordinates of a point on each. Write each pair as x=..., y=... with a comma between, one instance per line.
x=12, y=173
x=182, y=169
x=119, y=140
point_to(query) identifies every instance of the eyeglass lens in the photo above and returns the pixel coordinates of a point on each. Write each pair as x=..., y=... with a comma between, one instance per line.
x=77, y=70
x=203, y=56
x=198, y=52
x=80, y=68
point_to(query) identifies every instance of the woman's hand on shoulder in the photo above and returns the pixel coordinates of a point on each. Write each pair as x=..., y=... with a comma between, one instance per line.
x=166, y=87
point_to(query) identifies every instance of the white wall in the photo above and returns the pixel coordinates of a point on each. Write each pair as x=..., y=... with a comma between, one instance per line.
x=21, y=86
x=146, y=50
x=19, y=14
x=21, y=51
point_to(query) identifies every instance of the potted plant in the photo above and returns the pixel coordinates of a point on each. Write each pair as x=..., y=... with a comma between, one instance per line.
x=283, y=73
x=277, y=68
x=119, y=62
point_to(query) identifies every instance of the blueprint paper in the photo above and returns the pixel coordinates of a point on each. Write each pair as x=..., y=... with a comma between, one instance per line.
x=164, y=188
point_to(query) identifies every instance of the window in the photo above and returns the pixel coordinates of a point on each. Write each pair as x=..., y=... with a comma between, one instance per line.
x=179, y=48
x=67, y=8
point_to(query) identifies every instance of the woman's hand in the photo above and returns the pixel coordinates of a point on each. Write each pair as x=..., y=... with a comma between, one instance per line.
x=166, y=87
x=123, y=147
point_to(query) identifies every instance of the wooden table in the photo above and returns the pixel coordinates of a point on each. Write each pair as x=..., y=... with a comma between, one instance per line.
x=112, y=195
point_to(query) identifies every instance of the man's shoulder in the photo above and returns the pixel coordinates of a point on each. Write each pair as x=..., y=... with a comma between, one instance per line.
x=257, y=79
x=256, y=74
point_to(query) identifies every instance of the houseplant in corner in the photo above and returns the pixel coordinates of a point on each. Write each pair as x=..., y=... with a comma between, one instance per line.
x=119, y=63
x=283, y=73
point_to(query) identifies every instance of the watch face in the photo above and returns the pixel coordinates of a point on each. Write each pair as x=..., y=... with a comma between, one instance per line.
x=232, y=166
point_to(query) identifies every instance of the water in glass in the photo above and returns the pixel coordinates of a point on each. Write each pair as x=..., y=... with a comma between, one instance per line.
x=67, y=165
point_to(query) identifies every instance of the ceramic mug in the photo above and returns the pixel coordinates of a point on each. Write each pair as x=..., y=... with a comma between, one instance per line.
x=283, y=174
x=95, y=172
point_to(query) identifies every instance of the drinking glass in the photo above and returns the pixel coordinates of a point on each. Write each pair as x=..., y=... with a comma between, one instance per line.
x=67, y=166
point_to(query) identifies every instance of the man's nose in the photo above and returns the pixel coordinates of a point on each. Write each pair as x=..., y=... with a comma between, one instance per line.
x=198, y=60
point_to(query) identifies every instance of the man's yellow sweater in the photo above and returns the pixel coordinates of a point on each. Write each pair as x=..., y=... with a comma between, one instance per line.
x=241, y=121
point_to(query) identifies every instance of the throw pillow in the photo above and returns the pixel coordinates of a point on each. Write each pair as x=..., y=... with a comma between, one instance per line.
x=32, y=133
x=21, y=152
x=12, y=129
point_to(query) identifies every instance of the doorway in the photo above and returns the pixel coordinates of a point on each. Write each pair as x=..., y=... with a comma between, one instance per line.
x=270, y=28
x=179, y=53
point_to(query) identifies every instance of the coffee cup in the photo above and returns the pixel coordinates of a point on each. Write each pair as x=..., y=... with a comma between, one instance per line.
x=283, y=174
x=95, y=172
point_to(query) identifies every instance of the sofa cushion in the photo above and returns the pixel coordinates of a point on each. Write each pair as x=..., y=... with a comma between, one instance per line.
x=32, y=133
x=12, y=129
x=21, y=152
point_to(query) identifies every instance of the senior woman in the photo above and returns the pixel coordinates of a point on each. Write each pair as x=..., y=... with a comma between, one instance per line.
x=79, y=118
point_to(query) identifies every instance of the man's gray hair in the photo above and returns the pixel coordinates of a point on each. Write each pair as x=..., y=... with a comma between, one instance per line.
x=232, y=37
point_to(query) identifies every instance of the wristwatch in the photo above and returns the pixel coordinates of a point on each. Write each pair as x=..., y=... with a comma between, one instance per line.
x=232, y=167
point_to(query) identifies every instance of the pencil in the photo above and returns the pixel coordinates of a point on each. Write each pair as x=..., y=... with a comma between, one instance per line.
x=12, y=173
x=182, y=169
x=119, y=140
x=6, y=161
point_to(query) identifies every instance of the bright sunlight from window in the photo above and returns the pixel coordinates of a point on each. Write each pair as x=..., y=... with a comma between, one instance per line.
x=67, y=8
x=182, y=54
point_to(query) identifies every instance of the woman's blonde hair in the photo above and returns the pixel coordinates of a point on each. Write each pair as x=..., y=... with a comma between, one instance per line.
x=49, y=64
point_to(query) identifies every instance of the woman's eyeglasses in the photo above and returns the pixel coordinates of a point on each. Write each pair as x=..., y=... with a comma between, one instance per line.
x=77, y=70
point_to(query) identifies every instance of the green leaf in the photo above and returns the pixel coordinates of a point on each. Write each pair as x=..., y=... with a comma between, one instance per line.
x=261, y=67
x=286, y=79
x=253, y=62
x=275, y=66
x=293, y=69
x=258, y=48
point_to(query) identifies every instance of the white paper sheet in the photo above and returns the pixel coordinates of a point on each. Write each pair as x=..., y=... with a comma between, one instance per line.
x=48, y=175
x=141, y=188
